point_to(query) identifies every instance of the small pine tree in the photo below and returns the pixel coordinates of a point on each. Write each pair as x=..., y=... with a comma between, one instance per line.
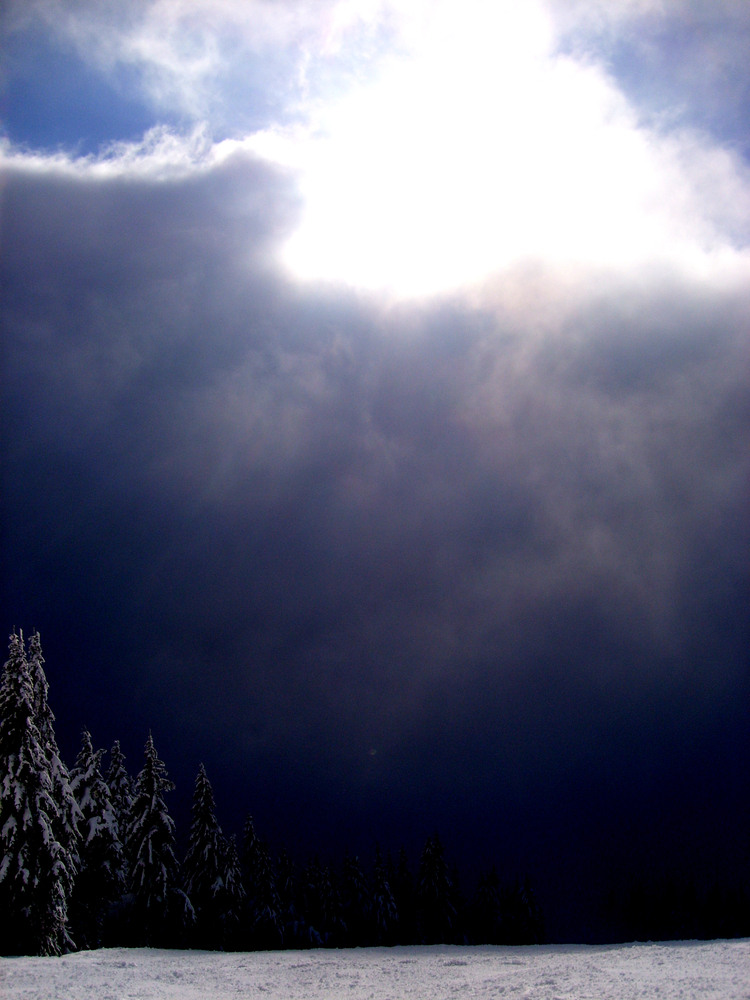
x=534, y=917
x=203, y=869
x=402, y=883
x=264, y=905
x=323, y=913
x=435, y=895
x=356, y=902
x=120, y=786
x=37, y=868
x=522, y=917
x=100, y=882
x=232, y=896
x=384, y=910
x=249, y=851
x=486, y=911
x=162, y=909
x=290, y=909
x=264, y=912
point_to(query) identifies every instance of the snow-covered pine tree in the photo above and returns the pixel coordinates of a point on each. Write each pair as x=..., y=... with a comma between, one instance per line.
x=162, y=910
x=100, y=882
x=120, y=786
x=36, y=869
x=69, y=814
x=203, y=868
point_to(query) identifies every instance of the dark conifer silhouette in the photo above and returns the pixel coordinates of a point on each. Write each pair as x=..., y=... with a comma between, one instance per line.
x=486, y=921
x=232, y=897
x=522, y=918
x=404, y=891
x=292, y=920
x=203, y=869
x=248, y=852
x=266, y=922
x=322, y=906
x=384, y=910
x=356, y=905
x=162, y=909
x=264, y=913
x=435, y=895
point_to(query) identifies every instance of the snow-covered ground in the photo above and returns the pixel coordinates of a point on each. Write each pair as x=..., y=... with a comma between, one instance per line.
x=686, y=970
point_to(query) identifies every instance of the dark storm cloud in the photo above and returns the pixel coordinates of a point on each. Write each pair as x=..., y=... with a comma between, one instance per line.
x=382, y=568
x=196, y=382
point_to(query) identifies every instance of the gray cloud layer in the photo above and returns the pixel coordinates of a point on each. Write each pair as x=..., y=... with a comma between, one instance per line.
x=350, y=528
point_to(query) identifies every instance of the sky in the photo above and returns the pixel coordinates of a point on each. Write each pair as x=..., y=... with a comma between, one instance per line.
x=376, y=417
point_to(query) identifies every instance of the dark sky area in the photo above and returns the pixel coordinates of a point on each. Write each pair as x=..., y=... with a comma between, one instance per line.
x=450, y=531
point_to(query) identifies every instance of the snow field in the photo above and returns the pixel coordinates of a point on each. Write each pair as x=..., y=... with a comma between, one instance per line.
x=715, y=970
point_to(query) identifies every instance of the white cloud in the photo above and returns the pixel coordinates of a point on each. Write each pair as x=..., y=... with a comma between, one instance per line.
x=191, y=56
x=455, y=142
x=161, y=154
x=481, y=147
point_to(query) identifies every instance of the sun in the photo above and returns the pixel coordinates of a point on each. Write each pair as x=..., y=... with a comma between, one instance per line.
x=475, y=146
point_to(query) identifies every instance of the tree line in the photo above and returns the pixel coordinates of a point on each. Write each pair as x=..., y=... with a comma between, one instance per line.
x=89, y=858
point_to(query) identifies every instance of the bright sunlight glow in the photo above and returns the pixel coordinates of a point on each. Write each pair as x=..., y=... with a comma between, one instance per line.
x=477, y=146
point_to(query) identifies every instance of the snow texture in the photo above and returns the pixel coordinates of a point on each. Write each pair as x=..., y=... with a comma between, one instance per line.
x=716, y=970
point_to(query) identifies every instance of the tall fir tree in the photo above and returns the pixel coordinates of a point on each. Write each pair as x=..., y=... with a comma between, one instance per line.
x=37, y=866
x=162, y=909
x=203, y=868
x=69, y=813
x=100, y=883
